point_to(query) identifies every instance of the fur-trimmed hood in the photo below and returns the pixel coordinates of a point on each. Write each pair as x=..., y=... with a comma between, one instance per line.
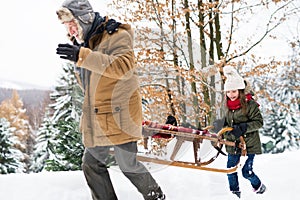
x=79, y=11
x=64, y=15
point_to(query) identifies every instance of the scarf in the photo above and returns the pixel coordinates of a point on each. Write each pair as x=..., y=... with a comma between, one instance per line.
x=236, y=104
x=97, y=27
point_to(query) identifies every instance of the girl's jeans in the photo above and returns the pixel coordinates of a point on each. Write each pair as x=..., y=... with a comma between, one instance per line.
x=247, y=172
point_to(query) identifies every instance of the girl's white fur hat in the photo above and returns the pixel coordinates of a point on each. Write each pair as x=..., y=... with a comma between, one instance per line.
x=233, y=80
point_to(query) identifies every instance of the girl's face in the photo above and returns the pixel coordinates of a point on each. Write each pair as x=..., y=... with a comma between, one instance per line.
x=232, y=94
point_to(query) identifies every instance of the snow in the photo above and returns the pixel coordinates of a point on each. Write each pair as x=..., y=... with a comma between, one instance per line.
x=279, y=172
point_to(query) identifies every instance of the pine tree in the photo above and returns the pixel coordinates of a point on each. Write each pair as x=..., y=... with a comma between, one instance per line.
x=282, y=123
x=41, y=150
x=60, y=136
x=10, y=157
x=66, y=148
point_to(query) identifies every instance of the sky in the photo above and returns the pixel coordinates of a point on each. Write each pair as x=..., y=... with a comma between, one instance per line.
x=279, y=172
x=29, y=36
x=31, y=33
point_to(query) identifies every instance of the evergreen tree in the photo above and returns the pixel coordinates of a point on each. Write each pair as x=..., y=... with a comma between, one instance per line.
x=281, y=124
x=59, y=138
x=41, y=149
x=10, y=157
x=66, y=148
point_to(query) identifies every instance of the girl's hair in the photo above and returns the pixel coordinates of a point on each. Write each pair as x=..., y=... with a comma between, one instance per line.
x=243, y=100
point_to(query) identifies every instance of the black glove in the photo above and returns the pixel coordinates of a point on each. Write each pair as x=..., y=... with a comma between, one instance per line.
x=239, y=129
x=68, y=51
x=171, y=120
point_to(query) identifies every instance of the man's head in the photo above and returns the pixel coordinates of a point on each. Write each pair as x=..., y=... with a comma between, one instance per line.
x=77, y=16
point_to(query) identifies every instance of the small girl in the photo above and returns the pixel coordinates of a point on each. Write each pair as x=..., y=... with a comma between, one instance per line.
x=244, y=116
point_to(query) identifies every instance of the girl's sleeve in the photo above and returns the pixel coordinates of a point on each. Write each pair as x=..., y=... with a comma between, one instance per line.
x=255, y=121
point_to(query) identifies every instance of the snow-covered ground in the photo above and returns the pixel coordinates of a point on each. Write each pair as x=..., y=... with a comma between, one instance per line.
x=279, y=172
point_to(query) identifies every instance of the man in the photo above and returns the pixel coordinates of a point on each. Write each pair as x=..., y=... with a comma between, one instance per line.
x=102, y=50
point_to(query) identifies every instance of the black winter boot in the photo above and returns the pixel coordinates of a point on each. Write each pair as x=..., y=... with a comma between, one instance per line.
x=156, y=194
x=237, y=193
x=262, y=188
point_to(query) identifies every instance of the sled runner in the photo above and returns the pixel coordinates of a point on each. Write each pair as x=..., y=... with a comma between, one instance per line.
x=182, y=134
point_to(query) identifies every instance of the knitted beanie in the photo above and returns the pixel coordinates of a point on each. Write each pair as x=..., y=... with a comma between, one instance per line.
x=80, y=11
x=233, y=80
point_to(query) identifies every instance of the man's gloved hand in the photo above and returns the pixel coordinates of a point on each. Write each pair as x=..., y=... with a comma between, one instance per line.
x=68, y=51
x=239, y=129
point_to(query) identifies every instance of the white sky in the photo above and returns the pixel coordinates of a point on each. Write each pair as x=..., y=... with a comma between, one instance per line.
x=31, y=32
x=279, y=172
x=29, y=36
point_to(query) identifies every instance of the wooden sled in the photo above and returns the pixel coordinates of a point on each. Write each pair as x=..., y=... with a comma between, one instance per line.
x=182, y=134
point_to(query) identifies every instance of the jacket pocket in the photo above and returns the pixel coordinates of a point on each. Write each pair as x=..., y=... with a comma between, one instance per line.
x=108, y=118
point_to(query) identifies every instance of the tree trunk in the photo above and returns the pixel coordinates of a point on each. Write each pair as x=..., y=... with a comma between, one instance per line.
x=192, y=66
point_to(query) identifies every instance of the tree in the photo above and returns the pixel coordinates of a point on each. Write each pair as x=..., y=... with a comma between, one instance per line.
x=59, y=145
x=41, y=149
x=283, y=116
x=11, y=158
x=12, y=109
x=66, y=148
x=184, y=45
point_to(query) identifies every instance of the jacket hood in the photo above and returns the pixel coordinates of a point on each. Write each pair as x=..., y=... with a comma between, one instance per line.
x=80, y=12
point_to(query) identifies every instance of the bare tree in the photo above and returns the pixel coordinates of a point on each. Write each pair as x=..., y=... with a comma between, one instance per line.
x=183, y=46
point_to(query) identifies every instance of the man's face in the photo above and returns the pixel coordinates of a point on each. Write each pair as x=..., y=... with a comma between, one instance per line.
x=72, y=28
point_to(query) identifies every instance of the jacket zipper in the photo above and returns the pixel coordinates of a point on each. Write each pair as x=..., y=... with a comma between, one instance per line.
x=232, y=118
x=232, y=121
